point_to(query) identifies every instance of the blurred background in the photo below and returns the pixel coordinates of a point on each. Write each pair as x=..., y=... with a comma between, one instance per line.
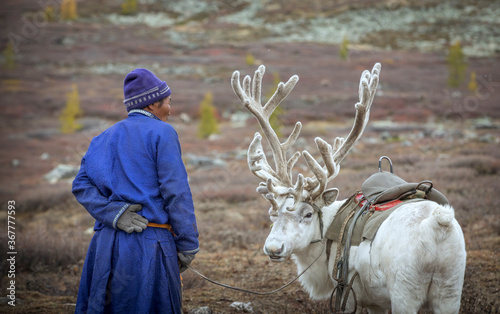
x=436, y=115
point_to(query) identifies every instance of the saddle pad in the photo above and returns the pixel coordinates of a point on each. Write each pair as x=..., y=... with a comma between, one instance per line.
x=333, y=232
x=367, y=224
x=386, y=186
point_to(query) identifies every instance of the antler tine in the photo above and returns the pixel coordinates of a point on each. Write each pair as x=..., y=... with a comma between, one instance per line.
x=337, y=143
x=367, y=88
x=235, y=83
x=297, y=191
x=326, y=152
x=280, y=94
x=292, y=137
x=272, y=192
x=257, y=83
x=333, y=155
x=319, y=173
x=267, y=190
x=257, y=160
x=291, y=163
x=322, y=174
x=274, y=204
x=250, y=96
x=246, y=87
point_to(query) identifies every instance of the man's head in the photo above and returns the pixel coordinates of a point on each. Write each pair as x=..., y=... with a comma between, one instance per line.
x=141, y=88
x=161, y=108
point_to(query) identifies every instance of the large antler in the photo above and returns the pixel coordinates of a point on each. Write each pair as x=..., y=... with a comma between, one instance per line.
x=279, y=181
x=333, y=155
x=250, y=96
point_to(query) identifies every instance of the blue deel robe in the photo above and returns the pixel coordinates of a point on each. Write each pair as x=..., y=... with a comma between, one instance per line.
x=136, y=161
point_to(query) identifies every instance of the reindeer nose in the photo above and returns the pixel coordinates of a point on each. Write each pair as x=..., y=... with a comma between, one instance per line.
x=273, y=250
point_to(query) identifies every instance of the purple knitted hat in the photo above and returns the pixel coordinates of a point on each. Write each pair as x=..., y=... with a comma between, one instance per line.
x=142, y=88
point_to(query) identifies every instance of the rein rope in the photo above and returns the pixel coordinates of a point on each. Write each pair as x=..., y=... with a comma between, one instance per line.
x=321, y=240
x=251, y=291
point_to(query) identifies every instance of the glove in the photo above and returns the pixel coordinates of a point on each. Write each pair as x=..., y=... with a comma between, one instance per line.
x=184, y=260
x=130, y=221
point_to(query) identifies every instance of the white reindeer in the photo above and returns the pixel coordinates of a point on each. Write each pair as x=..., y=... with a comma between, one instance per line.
x=417, y=258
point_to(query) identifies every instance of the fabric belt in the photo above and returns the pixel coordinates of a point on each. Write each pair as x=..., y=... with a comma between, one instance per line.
x=164, y=226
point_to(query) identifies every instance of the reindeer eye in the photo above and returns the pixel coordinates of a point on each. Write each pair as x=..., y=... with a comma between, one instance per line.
x=309, y=215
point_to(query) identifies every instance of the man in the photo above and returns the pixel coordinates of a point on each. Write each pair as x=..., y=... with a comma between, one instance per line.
x=133, y=182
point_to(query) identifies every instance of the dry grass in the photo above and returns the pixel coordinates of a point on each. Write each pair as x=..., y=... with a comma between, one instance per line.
x=232, y=217
x=233, y=224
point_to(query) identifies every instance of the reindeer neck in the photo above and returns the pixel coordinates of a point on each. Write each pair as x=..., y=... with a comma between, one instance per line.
x=308, y=255
x=317, y=279
x=329, y=213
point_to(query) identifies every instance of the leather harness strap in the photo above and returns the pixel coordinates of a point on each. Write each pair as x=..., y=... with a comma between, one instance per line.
x=320, y=217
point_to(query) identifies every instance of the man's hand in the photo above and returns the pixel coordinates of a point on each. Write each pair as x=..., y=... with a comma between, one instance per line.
x=130, y=221
x=184, y=260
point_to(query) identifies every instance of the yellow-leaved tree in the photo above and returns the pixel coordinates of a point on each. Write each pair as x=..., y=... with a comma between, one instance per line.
x=8, y=55
x=208, y=121
x=456, y=65
x=129, y=7
x=249, y=59
x=344, y=48
x=50, y=13
x=68, y=10
x=71, y=112
x=472, y=86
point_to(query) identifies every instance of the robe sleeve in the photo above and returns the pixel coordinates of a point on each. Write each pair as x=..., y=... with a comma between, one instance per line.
x=98, y=205
x=176, y=193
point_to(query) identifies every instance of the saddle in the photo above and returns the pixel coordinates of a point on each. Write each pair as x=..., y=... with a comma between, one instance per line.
x=385, y=186
x=382, y=193
x=360, y=217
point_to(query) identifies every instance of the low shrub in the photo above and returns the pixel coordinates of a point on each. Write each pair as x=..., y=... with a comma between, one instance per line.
x=483, y=165
x=45, y=248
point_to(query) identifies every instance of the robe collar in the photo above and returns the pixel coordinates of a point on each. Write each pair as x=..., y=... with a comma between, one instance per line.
x=144, y=112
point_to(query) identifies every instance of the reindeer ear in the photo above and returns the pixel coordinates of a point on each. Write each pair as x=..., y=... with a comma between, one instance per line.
x=329, y=196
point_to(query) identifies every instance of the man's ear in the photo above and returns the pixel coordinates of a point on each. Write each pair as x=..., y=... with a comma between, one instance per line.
x=329, y=196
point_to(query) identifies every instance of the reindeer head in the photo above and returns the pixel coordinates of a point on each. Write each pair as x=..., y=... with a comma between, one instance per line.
x=294, y=205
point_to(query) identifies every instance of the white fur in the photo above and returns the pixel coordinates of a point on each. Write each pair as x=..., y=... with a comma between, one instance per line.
x=416, y=260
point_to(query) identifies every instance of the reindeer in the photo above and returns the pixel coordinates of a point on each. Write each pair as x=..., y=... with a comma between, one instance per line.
x=417, y=258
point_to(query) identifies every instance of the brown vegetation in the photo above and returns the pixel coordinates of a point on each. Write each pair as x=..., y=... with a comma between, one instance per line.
x=435, y=138
x=233, y=223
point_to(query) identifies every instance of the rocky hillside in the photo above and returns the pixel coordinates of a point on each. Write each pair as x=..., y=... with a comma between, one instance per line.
x=427, y=26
